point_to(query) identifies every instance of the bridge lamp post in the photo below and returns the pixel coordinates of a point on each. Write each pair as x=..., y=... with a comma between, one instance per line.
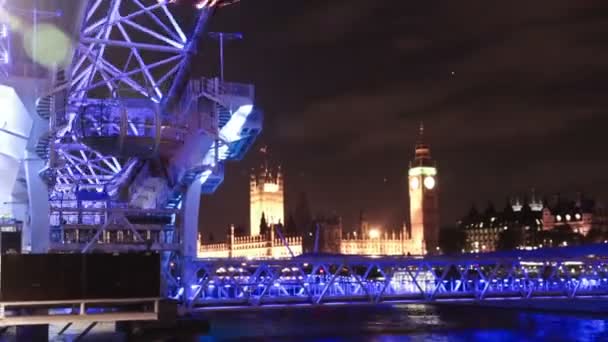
x=221, y=36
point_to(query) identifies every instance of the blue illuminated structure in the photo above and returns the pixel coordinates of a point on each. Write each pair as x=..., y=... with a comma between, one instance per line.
x=120, y=135
x=339, y=279
x=5, y=56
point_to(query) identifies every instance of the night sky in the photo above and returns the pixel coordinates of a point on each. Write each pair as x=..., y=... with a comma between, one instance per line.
x=513, y=95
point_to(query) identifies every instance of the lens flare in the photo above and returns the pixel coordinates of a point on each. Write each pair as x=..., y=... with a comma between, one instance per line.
x=47, y=46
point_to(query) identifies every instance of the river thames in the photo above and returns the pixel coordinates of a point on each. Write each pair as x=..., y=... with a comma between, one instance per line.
x=402, y=323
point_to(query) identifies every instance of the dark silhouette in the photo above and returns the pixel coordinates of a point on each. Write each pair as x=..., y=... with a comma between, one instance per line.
x=240, y=231
x=562, y=235
x=303, y=216
x=510, y=238
x=596, y=235
x=263, y=225
x=451, y=240
x=290, y=226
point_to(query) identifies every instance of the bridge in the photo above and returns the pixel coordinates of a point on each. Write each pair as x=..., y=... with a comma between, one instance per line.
x=576, y=272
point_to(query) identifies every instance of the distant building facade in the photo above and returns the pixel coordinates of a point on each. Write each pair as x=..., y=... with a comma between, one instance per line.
x=327, y=236
x=581, y=214
x=259, y=247
x=517, y=224
x=531, y=224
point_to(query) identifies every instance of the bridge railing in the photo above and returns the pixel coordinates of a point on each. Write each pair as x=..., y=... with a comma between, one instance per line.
x=244, y=282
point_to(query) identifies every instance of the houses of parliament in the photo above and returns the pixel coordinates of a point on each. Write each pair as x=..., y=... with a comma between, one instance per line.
x=268, y=239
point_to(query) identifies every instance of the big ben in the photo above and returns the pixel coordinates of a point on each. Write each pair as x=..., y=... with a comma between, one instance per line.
x=424, y=206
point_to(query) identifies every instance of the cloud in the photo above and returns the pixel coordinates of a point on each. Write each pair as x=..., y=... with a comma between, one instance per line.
x=512, y=95
x=330, y=21
x=518, y=72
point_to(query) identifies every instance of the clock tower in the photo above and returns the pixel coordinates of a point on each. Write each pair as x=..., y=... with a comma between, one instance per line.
x=424, y=206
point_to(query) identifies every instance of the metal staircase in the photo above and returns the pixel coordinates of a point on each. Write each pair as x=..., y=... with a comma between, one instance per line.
x=43, y=146
x=47, y=108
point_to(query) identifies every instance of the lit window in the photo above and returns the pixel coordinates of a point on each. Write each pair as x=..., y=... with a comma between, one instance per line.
x=271, y=187
x=578, y=216
x=559, y=218
x=568, y=217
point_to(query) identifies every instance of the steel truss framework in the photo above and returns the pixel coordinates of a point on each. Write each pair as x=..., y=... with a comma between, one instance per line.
x=126, y=48
x=71, y=311
x=319, y=280
x=127, y=89
x=4, y=49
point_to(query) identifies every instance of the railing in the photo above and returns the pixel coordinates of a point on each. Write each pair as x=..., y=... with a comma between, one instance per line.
x=112, y=229
x=25, y=69
x=111, y=118
x=68, y=311
x=237, y=89
x=9, y=221
x=318, y=280
x=214, y=87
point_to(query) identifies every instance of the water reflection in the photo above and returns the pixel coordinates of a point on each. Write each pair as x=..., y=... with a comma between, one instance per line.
x=404, y=323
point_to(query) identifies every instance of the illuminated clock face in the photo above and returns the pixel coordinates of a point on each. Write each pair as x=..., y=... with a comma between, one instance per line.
x=429, y=182
x=414, y=183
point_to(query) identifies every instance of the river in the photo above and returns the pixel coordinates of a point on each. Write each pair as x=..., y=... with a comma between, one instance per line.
x=385, y=323
x=402, y=323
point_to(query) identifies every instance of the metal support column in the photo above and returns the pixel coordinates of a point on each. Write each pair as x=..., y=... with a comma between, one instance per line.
x=190, y=213
x=39, y=211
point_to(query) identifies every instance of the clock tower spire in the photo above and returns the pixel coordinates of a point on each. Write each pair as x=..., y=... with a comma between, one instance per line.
x=424, y=206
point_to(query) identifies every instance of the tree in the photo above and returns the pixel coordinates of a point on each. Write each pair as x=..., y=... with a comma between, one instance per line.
x=263, y=225
x=596, y=235
x=451, y=240
x=239, y=231
x=290, y=225
x=303, y=217
x=510, y=238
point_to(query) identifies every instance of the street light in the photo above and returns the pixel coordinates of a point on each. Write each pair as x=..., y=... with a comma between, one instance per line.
x=374, y=233
x=221, y=36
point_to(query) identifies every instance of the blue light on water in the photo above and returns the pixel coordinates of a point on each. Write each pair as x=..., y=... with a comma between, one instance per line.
x=409, y=323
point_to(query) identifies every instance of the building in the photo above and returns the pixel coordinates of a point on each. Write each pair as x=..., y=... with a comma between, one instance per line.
x=581, y=214
x=326, y=235
x=259, y=247
x=265, y=196
x=515, y=226
x=424, y=200
x=530, y=224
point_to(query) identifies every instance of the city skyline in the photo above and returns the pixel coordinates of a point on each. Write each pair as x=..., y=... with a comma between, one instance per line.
x=526, y=196
x=512, y=100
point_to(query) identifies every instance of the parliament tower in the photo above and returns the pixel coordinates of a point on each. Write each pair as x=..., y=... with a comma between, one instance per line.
x=265, y=195
x=424, y=206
